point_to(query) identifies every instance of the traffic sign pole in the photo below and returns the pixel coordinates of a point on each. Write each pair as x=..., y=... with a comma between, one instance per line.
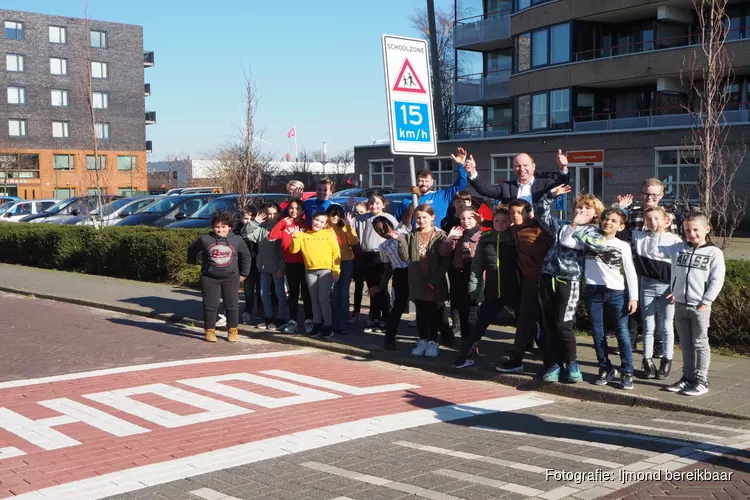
x=412, y=171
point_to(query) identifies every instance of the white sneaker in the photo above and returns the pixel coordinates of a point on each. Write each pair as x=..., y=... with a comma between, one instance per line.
x=221, y=321
x=290, y=327
x=246, y=318
x=309, y=326
x=420, y=349
x=433, y=349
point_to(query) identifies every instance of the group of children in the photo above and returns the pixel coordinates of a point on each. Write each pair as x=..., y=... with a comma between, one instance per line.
x=525, y=259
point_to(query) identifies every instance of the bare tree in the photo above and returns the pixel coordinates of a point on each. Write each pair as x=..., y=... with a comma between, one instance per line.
x=174, y=161
x=455, y=117
x=239, y=165
x=710, y=74
x=10, y=164
x=340, y=164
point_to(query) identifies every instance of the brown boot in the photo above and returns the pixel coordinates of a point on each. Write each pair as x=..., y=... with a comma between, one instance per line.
x=232, y=335
x=210, y=335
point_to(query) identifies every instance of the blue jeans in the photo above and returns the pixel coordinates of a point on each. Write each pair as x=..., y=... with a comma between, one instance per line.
x=340, y=296
x=266, y=279
x=600, y=297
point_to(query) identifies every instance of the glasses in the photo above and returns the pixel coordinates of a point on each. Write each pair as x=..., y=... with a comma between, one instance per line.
x=652, y=195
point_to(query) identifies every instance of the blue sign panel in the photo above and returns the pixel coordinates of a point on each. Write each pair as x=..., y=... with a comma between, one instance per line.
x=560, y=202
x=412, y=122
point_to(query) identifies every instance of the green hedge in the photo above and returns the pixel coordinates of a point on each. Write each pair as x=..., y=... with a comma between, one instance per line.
x=137, y=253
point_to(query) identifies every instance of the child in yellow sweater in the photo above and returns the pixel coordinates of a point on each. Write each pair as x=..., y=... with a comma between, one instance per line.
x=322, y=258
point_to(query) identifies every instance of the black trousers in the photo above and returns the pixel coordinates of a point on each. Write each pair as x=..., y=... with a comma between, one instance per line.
x=528, y=319
x=373, y=270
x=400, y=286
x=295, y=277
x=461, y=302
x=228, y=290
x=559, y=301
x=427, y=319
x=359, y=284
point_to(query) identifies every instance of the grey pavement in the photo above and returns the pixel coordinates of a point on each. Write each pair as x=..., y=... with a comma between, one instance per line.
x=539, y=453
x=729, y=377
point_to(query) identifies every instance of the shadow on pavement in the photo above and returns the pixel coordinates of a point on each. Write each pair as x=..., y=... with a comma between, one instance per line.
x=177, y=309
x=167, y=328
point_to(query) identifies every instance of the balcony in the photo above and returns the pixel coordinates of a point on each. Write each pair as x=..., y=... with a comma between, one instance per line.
x=483, y=33
x=149, y=147
x=148, y=59
x=483, y=88
x=146, y=89
x=481, y=132
x=683, y=120
x=150, y=117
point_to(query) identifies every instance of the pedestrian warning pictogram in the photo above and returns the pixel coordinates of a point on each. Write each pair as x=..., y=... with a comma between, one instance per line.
x=407, y=80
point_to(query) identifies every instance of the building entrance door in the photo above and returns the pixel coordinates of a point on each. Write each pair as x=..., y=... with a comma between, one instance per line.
x=584, y=180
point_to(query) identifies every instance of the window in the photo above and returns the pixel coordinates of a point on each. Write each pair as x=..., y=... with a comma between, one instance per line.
x=126, y=162
x=678, y=169
x=59, y=97
x=98, y=69
x=522, y=4
x=559, y=108
x=381, y=173
x=559, y=44
x=14, y=63
x=539, y=53
x=125, y=191
x=57, y=34
x=13, y=30
x=96, y=192
x=99, y=39
x=16, y=95
x=539, y=111
x=60, y=129
x=64, y=162
x=523, y=49
x=17, y=128
x=102, y=130
x=63, y=193
x=58, y=66
x=100, y=100
x=91, y=165
x=442, y=171
x=502, y=168
x=523, y=111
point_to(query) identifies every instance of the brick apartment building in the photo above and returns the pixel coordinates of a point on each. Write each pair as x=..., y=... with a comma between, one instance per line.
x=47, y=66
x=600, y=79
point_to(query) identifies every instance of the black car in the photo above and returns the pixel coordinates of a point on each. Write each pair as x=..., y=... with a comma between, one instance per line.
x=168, y=210
x=229, y=203
x=78, y=205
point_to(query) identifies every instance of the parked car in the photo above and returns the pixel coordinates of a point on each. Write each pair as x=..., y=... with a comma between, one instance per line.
x=202, y=218
x=5, y=197
x=195, y=190
x=167, y=210
x=77, y=205
x=360, y=194
x=112, y=212
x=13, y=211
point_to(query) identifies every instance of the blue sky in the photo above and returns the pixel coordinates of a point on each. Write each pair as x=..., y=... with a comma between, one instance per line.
x=317, y=65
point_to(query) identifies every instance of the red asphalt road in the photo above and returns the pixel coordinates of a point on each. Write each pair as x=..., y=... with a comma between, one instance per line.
x=102, y=343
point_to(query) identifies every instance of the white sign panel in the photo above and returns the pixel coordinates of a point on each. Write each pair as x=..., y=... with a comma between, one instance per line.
x=411, y=122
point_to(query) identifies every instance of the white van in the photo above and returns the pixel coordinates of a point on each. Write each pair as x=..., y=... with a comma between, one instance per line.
x=20, y=209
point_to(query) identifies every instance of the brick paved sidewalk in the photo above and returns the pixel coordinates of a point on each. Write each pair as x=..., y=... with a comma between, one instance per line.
x=729, y=376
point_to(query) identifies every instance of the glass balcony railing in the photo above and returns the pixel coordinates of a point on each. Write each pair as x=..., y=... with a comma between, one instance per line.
x=641, y=119
x=482, y=87
x=478, y=132
x=486, y=28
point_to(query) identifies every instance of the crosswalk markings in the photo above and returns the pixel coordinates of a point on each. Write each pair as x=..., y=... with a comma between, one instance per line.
x=472, y=456
x=209, y=494
x=569, y=456
x=580, y=442
x=379, y=481
x=494, y=483
x=696, y=424
x=639, y=437
x=602, y=423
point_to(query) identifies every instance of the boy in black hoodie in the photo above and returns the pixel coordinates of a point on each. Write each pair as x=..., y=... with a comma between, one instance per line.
x=225, y=264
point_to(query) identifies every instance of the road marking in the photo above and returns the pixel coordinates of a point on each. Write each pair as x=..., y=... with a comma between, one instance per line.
x=150, y=366
x=494, y=483
x=379, y=481
x=639, y=437
x=600, y=423
x=335, y=386
x=694, y=424
x=164, y=472
x=472, y=456
x=209, y=494
x=570, y=456
x=557, y=493
x=580, y=442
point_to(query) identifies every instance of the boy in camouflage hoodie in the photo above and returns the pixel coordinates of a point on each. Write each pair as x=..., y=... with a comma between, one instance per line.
x=560, y=285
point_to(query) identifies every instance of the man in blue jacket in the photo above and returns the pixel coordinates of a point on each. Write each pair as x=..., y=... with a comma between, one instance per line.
x=440, y=200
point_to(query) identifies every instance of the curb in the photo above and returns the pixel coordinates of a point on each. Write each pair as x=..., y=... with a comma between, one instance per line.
x=517, y=381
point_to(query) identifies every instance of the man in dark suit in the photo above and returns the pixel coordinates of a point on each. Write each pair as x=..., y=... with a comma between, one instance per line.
x=526, y=186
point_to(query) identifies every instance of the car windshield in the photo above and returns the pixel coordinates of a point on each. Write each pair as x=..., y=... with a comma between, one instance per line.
x=59, y=206
x=5, y=206
x=163, y=206
x=348, y=192
x=112, y=206
x=228, y=204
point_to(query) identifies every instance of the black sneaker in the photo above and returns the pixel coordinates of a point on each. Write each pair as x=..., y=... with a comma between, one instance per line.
x=665, y=366
x=326, y=332
x=317, y=331
x=649, y=368
x=380, y=328
x=513, y=365
x=678, y=386
x=389, y=344
x=606, y=376
x=463, y=362
x=626, y=382
x=371, y=326
x=697, y=388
